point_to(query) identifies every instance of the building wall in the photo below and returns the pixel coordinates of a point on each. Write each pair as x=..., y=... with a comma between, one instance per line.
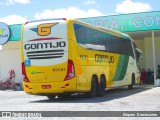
x=146, y=46
x=10, y=59
x=148, y=53
x=157, y=50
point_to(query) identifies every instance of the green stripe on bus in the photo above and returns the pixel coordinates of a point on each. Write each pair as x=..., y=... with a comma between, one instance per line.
x=124, y=68
x=121, y=68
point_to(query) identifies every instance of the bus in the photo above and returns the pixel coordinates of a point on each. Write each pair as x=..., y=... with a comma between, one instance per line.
x=65, y=56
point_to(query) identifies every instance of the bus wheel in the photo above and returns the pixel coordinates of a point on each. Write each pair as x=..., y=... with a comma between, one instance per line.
x=94, y=87
x=51, y=97
x=102, y=87
x=132, y=83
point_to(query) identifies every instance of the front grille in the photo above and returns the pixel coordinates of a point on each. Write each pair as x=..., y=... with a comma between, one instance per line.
x=47, y=54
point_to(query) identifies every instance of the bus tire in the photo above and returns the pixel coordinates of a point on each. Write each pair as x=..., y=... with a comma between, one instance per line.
x=94, y=87
x=132, y=83
x=102, y=87
x=51, y=97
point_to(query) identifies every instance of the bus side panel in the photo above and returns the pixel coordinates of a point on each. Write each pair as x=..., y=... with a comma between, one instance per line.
x=82, y=79
x=121, y=75
x=97, y=63
x=125, y=69
x=81, y=69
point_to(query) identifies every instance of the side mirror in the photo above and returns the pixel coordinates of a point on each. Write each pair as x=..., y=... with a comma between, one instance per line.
x=139, y=53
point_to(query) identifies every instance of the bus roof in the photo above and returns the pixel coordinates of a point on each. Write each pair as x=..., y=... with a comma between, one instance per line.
x=41, y=20
x=113, y=32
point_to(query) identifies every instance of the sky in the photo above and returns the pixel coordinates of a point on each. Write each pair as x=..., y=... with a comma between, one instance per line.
x=20, y=11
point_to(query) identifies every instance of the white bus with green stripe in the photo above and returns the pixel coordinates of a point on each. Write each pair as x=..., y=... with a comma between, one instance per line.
x=68, y=56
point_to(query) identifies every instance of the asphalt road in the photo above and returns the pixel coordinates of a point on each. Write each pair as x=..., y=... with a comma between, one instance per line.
x=140, y=98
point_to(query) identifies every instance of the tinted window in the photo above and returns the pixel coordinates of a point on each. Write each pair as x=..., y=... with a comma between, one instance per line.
x=97, y=40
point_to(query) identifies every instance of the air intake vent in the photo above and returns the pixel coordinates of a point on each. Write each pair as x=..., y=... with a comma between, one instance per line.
x=47, y=54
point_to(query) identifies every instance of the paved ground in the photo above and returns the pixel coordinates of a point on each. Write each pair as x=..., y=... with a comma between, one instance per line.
x=141, y=98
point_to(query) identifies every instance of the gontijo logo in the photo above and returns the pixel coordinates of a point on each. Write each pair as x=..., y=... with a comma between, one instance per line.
x=4, y=33
x=43, y=29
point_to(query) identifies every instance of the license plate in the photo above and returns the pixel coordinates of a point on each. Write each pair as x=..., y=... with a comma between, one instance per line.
x=46, y=86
